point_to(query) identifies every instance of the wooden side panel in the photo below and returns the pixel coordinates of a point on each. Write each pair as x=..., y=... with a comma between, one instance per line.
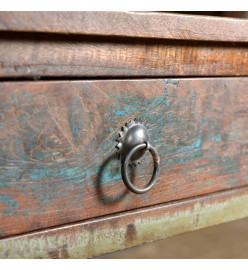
x=57, y=141
x=103, y=235
x=40, y=55
x=129, y=24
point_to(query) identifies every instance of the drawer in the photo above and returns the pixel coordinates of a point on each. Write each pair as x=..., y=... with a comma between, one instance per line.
x=58, y=145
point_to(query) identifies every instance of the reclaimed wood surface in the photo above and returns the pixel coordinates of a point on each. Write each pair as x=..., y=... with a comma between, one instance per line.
x=57, y=140
x=41, y=55
x=111, y=233
x=129, y=24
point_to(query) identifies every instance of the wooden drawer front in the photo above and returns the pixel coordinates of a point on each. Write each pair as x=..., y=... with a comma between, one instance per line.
x=57, y=142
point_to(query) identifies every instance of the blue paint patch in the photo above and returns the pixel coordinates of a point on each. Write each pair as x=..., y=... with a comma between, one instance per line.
x=77, y=174
x=229, y=170
x=216, y=138
x=231, y=181
x=172, y=82
x=29, y=146
x=25, y=212
x=109, y=176
x=198, y=143
x=8, y=211
x=206, y=182
x=1, y=127
x=9, y=201
x=74, y=126
x=19, y=151
x=170, y=125
x=18, y=142
x=118, y=112
x=181, y=161
x=193, y=146
x=157, y=101
x=123, y=110
x=168, y=116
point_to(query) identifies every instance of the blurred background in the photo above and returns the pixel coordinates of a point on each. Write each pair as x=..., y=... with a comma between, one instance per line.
x=234, y=14
x=225, y=241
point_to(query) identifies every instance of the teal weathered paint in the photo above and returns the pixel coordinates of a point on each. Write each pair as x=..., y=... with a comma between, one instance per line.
x=61, y=138
x=217, y=138
x=232, y=181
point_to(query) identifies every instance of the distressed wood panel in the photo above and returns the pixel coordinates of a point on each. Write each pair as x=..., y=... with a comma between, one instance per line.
x=103, y=235
x=41, y=55
x=129, y=24
x=57, y=141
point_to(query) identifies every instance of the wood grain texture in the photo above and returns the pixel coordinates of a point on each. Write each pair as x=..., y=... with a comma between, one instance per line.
x=41, y=55
x=129, y=24
x=111, y=233
x=57, y=141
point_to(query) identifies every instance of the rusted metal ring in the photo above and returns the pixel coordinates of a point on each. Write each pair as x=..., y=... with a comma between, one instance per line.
x=126, y=161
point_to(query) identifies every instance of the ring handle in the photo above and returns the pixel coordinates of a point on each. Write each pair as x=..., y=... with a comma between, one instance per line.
x=126, y=161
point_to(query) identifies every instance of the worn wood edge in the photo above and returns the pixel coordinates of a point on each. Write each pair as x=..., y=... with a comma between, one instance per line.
x=129, y=24
x=115, y=232
x=39, y=56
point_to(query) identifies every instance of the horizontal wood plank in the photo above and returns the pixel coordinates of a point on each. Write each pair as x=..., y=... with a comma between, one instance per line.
x=57, y=140
x=111, y=233
x=129, y=24
x=40, y=55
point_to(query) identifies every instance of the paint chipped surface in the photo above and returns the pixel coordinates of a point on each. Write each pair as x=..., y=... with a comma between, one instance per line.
x=57, y=140
x=108, y=234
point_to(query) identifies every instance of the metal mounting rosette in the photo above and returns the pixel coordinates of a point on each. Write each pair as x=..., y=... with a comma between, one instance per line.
x=132, y=133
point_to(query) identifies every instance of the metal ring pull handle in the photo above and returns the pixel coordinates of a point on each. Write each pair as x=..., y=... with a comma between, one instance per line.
x=126, y=162
x=133, y=144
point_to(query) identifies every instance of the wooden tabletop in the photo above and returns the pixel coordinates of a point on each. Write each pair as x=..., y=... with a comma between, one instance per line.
x=129, y=24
